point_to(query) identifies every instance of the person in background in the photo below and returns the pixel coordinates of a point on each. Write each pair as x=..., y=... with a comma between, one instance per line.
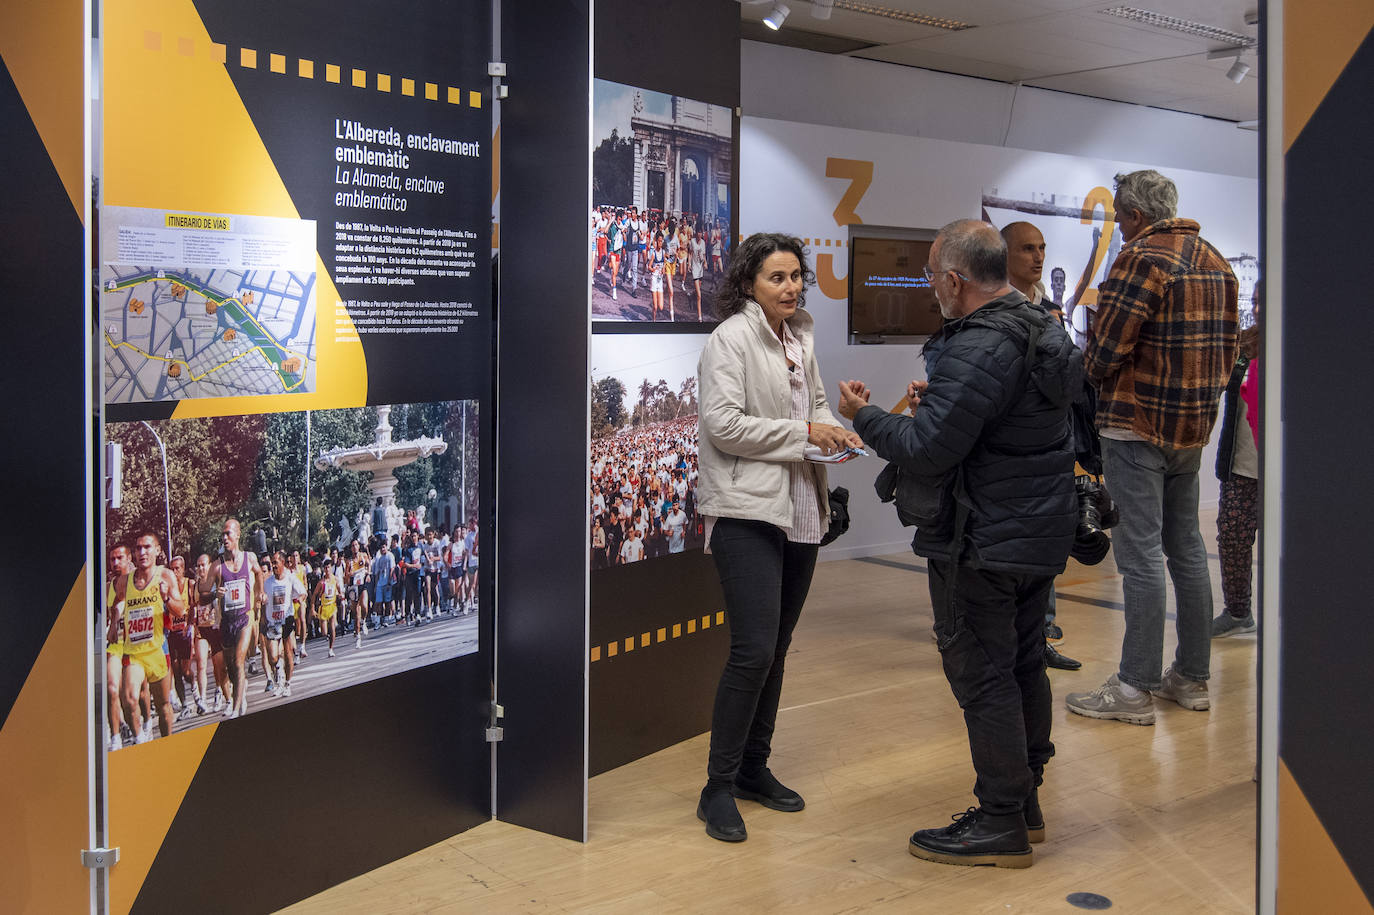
x=762, y=402
x=1238, y=471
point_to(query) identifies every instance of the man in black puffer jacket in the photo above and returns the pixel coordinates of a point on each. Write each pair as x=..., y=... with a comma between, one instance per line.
x=992, y=427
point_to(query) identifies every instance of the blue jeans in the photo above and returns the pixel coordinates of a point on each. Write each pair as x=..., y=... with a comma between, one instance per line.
x=1157, y=491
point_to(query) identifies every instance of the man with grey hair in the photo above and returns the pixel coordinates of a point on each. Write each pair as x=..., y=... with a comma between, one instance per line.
x=1160, y=350
x=989, y=437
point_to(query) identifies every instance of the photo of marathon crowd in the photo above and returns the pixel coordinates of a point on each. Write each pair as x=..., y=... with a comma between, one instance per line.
x=255, y=559
x=660, y=229
x=644, y=449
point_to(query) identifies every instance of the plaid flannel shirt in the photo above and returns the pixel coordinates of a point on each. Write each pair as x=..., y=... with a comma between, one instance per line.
x=1164, y=340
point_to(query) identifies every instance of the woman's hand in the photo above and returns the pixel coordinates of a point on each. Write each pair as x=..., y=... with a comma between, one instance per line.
x=831, y=439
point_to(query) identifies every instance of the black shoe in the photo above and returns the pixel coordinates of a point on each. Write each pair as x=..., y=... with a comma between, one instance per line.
x=976, y=838
x=1035, y=820
x=1053, y=632
x=768, y=791
x=717, y=810
x=1060, y=661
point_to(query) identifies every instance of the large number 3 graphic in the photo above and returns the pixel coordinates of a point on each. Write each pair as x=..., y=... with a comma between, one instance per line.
x=860, y=175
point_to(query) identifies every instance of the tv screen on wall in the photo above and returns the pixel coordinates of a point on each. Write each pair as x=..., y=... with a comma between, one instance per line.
x=889, y=295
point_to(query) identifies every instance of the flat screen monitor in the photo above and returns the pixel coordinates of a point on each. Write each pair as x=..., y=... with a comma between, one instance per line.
x=889, y=295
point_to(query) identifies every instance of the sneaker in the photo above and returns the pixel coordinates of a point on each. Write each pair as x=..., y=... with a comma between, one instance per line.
x=976, y=838
x=186, y=712
x=768, y=791
x=271, y=686
x=286, y=690
x=200, y=706
x=115, y=743
x=176, y=702
x=1107, y=701
x=331, y=652
x=1191, y=694
x=358, y=642
x=1225, y=625
x=143, y=737
x=718, y=811
x=219, y=702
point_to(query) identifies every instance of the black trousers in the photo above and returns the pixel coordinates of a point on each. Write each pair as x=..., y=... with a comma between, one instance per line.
x=993, y=652
x=765, y=579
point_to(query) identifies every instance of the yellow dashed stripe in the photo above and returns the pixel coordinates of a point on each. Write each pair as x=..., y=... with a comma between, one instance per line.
x=305, y=69
x=656, y=637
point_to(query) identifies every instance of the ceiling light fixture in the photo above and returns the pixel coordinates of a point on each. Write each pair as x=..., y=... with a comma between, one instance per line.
x=1237, y=72
x=820, y=9
x=887, y=12
x=1175, y=24
x=777, y=16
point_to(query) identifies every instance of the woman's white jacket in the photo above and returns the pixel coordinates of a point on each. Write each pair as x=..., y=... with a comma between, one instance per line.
x=746, y=437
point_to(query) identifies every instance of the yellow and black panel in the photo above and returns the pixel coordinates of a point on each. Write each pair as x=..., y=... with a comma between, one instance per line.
x=1326, y=726
x=45, y=618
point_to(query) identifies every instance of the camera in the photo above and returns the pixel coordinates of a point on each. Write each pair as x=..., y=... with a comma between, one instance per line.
x=1097, y=513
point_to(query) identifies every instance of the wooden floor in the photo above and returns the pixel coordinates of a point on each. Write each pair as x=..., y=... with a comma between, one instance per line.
x=1156, y=819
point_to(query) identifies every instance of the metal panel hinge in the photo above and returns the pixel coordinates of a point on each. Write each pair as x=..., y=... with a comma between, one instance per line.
x=496, y=68
x=495, y=735
x=495, y=732
x=99, y=858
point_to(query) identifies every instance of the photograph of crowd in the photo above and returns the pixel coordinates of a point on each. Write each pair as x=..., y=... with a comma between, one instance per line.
x=255, y=560
x=644, y=448
x=662, y=168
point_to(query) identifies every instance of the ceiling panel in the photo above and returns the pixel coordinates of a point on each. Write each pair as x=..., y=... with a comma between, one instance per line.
x=1068, y=45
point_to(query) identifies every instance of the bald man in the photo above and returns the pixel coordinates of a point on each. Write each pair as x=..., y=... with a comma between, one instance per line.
x=1025, y=265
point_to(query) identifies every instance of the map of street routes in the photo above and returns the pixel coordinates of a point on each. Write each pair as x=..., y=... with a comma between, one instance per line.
x=173, y=334
x=206, y=305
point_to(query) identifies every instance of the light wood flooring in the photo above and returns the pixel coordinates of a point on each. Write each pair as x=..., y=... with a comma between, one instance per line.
x=1156, y=819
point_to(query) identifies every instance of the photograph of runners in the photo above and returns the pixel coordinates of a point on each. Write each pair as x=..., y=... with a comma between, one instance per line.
x=256, y=560
x=662, y=167
x=643, y=501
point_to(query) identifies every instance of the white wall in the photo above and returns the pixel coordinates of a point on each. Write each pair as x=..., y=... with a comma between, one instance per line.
x=794, y=85
x=924, y=183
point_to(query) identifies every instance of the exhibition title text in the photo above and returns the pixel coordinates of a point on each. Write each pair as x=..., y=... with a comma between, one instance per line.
x=370, y=159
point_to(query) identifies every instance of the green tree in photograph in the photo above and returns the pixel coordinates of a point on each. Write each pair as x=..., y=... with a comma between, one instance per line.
x=613, y=164
x=608, y=395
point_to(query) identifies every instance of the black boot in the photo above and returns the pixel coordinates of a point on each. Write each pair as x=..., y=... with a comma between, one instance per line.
x=1035, y=820
x=1060, y=661
x=717, y=810
x=976, y=838
x=768, y=791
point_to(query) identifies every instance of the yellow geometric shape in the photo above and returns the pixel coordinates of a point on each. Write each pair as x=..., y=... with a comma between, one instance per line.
x=720, y=617
x=248, y=58
x=644, y=640
x=44, y=753
x=186, y=47
x=407, y=86
x=596, y=653
x=706, y=621
x=305, y=69
x=1312, y=875
x=43, y=46
x=612, y=649
x=147, y=785
x=630, y=644
x=331, y=73
x=152, y=41
x=662, y=635
x=359, y=78
x=383, y=82
x=276, y=63
x=474, y=99
x=677, y=630
x=218, y=52
x=1318, y=41
x=455, y=95
x=691, y=626
x=432, y=92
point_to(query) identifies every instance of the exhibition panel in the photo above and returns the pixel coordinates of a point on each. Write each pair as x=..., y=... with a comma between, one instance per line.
x=664, y=221
x=295, y=323
x=45, y=719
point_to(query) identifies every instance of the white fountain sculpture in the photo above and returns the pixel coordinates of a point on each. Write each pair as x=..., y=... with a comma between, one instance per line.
x=382, y=457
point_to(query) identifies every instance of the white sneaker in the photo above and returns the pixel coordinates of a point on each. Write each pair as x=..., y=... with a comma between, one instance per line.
x=228, y=711
x=144, y=737
x=271, y=686
x=176, y=702
x=358, y=642
x=115, y=743
x=200, y=706
x=286, y=690
x=331, y=652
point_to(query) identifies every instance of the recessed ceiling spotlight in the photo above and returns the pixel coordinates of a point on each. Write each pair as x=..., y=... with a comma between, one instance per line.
x=1175, y=24
x=776, y=16
x=887, y=12
x=1237, y=72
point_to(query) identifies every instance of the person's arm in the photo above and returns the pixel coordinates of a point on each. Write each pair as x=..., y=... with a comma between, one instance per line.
x=820, y=404
x=722, y=387
x=171, y=595
x=1128, y=298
